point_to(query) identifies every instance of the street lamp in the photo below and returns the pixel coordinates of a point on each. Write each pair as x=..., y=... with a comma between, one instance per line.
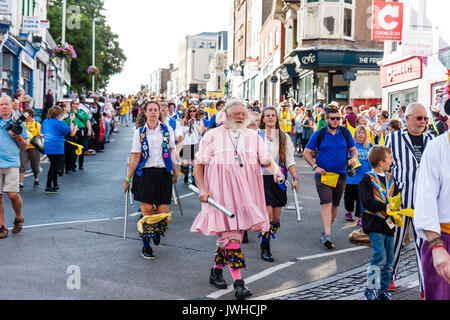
x=93, y=52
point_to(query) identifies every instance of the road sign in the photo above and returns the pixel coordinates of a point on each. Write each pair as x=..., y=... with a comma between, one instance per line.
x=387, y=23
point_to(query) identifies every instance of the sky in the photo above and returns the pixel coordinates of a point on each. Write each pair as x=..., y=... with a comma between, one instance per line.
x=150, y=31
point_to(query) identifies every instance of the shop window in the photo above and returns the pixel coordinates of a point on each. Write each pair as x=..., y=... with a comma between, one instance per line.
x=322, y=87
x=405, y=97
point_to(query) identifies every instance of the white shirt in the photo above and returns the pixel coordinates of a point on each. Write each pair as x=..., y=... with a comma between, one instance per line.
x=273, y=148
x=191, y=138
x=432, y=201
x=155, y=140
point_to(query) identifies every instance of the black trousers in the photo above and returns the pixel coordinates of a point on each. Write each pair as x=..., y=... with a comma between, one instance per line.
x=69, y=153
x=55, y=164
x=350, y=196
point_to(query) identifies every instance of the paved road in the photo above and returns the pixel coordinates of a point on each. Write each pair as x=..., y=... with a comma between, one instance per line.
x=80, y=229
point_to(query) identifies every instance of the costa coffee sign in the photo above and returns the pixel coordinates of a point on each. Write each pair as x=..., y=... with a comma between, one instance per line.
x=402, y=71
x=387, y=23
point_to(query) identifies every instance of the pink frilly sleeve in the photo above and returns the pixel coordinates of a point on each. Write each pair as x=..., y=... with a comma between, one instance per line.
x=205, y=149
x=264, y=156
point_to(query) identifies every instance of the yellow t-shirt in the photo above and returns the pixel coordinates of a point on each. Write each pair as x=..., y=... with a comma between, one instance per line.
x=125, y=107
x=33, y=128
x=211, y=112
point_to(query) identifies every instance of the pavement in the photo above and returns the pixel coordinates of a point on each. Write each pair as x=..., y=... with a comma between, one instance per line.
x=72, y=247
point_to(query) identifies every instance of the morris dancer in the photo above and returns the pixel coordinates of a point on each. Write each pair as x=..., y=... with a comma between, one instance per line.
x=152, y=168
x=227, y=168
x=432, y=217
x=280, y=146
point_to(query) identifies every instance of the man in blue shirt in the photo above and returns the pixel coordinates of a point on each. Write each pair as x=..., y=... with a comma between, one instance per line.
x=10, y=145
x=332, y=144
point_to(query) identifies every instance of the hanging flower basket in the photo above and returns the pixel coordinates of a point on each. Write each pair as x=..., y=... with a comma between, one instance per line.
x=93, y=70
x=66, y=51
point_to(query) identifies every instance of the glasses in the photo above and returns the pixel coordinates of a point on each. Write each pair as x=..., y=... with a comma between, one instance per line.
x=192, y=111
x=334, y=118
x=420, y=118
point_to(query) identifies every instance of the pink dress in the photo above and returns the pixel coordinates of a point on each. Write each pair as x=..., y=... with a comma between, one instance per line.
x=239, y=189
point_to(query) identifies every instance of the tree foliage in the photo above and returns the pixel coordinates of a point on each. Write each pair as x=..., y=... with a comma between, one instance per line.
x=109, y=57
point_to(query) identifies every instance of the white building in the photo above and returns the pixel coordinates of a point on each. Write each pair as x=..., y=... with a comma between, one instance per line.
x=420, y=77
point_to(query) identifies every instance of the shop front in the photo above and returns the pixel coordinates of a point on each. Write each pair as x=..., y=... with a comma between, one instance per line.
x=400, y=82
x=11, y=66
x=328, y=73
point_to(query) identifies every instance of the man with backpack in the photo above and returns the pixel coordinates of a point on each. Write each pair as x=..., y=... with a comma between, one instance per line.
x=333, y=143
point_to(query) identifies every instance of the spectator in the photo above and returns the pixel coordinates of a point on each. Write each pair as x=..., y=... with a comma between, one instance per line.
x=15, y=109
x=332, y=147
x=108, y=113
x=54, y=131
x=71, y=137
x=350, y=116
x=372, y=116
x=96, y=111
x=298, y=114
x=31, y=153
x=308, y=129
x=286, y=116
x=48, y=103
x=10, y=146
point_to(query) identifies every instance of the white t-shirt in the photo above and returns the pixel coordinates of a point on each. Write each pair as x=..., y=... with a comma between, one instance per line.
x=155, y=140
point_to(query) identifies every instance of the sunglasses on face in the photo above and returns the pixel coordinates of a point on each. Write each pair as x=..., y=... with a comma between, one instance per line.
x=192, y=110
x=334, y=118
x=420, y=118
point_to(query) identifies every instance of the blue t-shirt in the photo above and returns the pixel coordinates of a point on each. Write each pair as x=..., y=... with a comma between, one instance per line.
x=212, y=122
x=9, y=149
x=54, y=131
x=332, y=154
x=365, y=165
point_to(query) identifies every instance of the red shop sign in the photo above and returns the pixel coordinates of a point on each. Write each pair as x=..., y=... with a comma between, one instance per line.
x=402, y=71
x=387, y=21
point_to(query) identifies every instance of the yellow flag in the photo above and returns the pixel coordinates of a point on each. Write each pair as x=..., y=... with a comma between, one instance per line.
x=350, y=128
x=370, y=136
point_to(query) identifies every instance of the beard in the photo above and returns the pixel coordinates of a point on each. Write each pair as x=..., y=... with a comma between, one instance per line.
x=232, y=125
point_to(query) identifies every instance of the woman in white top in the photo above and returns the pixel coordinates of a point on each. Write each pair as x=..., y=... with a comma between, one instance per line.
x=152, y=168
x=279, y=144
x=192, y=129
x=108, y=113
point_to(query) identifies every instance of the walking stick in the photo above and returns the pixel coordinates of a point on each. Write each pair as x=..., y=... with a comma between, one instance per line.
x=214, y=203
x=126, y=205
x=178, y=198
x=297, y=207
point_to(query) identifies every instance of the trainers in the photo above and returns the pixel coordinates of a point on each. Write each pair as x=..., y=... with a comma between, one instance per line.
x=147, y=253
x=384, y=295
x=348, y=217
x=371, y=294
x=21, y=185
x=18, y=225
x=3, y=232
x=326, y=240
x=51, y=190
x=36, y=183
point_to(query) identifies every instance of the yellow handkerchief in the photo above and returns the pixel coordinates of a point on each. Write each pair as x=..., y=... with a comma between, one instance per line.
x=330, y=179
x=357, y=165
x=395, y=202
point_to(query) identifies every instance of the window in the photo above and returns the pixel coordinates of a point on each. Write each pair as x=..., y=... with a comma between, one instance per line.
x=348, y=22
x=311, y=27
x=330, y=21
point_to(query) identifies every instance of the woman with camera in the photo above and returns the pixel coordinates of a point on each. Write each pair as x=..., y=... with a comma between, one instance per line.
x=55, y=130
x=31, y=153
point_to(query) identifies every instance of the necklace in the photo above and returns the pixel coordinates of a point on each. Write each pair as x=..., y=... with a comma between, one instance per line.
x=235, y=147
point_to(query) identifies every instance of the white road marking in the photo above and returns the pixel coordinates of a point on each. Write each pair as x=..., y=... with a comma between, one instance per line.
x=271, y=270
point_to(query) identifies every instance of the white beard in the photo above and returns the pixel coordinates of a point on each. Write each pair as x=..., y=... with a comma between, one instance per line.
x=235, y=127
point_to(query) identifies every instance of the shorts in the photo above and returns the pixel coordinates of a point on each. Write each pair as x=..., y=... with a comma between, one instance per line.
x=329, y=194
x=9, y=180
x=32, y=155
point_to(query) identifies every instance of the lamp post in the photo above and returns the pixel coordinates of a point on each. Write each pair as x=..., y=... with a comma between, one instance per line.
x=93, y=52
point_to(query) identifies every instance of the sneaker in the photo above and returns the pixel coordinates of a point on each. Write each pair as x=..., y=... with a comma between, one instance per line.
x=384, y=295
x=3, y=232
x=21, y=185
x=51, y=190
x=56, y=187
x=326, y=240
x=36, y=183
x=348, y=217
x=371, y=294
x=392, y=287
x=147, y=253
x=18, y=225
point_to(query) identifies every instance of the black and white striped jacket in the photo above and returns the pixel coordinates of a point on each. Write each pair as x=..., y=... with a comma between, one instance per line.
x=405, y=166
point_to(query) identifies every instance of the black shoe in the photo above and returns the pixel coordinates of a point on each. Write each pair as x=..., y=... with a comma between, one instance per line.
x=266, y=255
x=80, y=168
x=156, y=238
x=56, y=187
x=73, y=170
x=21, y=186
x=240, y=290
x=60, y=173
x=51, y=190
x=216, y=278
x=245, y=238
x=36, y=183
x=147, y=253
x=186, y=178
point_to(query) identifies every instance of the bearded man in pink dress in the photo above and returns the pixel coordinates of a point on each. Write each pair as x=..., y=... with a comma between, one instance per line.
x=228, y=168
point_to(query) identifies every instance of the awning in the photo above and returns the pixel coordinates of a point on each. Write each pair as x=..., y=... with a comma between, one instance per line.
x=309, y=59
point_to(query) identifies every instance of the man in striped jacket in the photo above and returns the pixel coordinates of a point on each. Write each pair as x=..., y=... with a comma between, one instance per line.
x=408, y=145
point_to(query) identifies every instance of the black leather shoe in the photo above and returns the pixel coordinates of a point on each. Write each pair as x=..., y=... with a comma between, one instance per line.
x=266, y=255
x=245, y=238
x=216, y=278
x=240, y=290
